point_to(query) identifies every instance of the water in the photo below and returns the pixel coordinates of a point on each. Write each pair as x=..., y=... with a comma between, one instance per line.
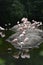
x=6, y=56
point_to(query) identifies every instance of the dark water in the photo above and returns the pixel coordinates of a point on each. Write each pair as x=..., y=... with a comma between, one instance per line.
x=6, y=58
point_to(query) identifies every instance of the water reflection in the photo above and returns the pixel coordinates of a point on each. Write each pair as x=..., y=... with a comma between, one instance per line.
x=21, y=54
x=14, y=58
x=16, y=55
x=25, y=55
x=41, y=53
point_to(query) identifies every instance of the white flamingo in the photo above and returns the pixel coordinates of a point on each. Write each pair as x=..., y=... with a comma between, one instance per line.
x=23, y=19
x=40, y=23
x=27, y=55
x=23, y=32
x=20, y=28
x=15, y=40
x=5, y=24
x=26, y=39
x=21, y=35
x=9, y=24
x=1, y=28
x=33, y=20
x=17, y=22
x=23, y=56
x=16, y=56
x=2, y=35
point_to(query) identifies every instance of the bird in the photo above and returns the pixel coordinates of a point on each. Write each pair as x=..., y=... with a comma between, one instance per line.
x=9, y=49
x=26, y=39
x=9, y=24
x=25, y=26
x=15, y=40
x=20, y=28
x=17, y=22
x=23, y=19
x=5, y=24
x=23, y=32
x=2, y=35
x=16, y=56
x=23, y=56
x=33, y=27
x=27, y=55
x=1, y=28
x=33, y=20
x=21, y=35
x=21, y=43
x=40, y=23
x=19, y=25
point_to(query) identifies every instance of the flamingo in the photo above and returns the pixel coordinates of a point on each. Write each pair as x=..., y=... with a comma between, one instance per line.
x=5, y=24
x=23, y=32
x=27, y=55
x=29, y=26
x=16, y=56
x=40, y=23
x=33, y=27
x=21, y=43
x=15, y=40
x=20, y=28
x=33, y=20
x=23, y=19
x=23, y=56
x=21, y=35
x=9, y=24
x=26, y=39
x=19, y=25
x=18, y=22
x=9, y=49
x=25, y=26
x=2, y=35
x=1, y=28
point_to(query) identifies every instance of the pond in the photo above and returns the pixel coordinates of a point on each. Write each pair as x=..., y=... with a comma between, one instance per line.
x=6, y=56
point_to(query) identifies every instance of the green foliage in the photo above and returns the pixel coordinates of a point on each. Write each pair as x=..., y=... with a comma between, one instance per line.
x=11, y=11
x=14, y=10
x=2, y=61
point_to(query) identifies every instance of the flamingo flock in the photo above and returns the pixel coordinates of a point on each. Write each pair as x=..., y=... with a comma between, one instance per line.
x=26, y=25
x=28, y=35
